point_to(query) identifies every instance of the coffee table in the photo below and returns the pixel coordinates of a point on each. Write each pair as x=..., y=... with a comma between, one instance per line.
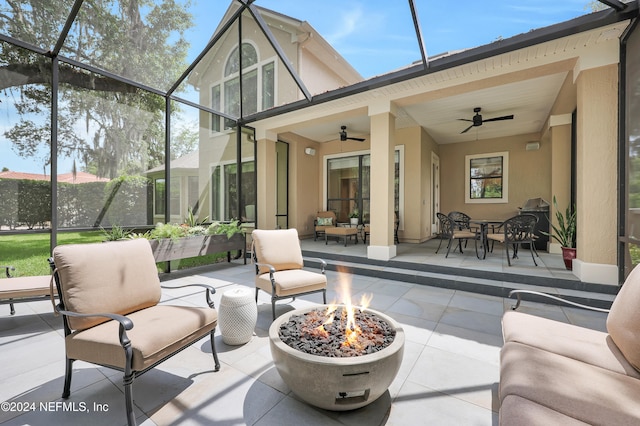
x=341, y=232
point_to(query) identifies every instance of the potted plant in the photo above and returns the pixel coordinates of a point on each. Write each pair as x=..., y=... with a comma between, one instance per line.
x=353, y=217
x=565, y=233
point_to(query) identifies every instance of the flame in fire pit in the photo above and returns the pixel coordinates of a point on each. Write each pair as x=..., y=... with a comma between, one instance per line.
x=352, y=329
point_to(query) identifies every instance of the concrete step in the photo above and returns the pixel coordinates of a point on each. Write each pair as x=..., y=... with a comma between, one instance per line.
x=472, y=280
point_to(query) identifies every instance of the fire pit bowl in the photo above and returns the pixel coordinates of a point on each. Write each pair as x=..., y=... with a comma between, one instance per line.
x=336, y=383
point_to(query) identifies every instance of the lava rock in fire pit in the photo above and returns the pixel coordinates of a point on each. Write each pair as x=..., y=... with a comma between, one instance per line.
x=318, y=333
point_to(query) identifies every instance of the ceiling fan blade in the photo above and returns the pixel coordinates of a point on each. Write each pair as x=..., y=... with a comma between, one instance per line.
x=506, y=117
x=466, y=130
x=465, y=119
x=357, y=139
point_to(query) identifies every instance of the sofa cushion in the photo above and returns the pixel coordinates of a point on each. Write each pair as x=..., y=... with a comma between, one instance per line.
x=180, y=326
x=579, y=343
x=518, y=411
x=279, y=248
x=623, y=322
x=292, y=282
x=585, y=392
x=117, y=277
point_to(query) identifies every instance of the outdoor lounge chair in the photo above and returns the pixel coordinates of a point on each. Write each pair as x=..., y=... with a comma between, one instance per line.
x=324, y=220
x=279, y=264
x=109, y=300
x=23, y=289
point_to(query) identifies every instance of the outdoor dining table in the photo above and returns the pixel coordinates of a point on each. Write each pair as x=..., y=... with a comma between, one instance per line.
x=484, y=230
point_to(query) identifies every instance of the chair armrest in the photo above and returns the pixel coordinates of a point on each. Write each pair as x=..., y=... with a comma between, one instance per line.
x=7, y=269
x=322, y=262
x=519, y=293
x=272, y=269
x=125, y=323
x=209, y=291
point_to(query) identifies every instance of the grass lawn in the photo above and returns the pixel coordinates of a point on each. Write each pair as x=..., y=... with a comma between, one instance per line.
x=28, y=253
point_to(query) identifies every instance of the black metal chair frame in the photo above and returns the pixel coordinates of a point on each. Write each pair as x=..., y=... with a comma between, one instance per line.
x=125, y=324
x=274, y=296
x=519, y=230
x=448, y=231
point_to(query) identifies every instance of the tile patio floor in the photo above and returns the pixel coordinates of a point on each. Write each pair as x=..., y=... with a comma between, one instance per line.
x=449, y=374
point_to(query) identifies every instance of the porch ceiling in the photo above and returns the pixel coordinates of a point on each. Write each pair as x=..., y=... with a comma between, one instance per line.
x=525, y=82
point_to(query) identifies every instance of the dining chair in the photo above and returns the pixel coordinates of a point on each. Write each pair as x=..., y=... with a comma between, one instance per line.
x=450, y=231
x=516, y=231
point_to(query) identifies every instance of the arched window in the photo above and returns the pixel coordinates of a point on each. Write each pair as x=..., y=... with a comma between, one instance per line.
x=258, y=84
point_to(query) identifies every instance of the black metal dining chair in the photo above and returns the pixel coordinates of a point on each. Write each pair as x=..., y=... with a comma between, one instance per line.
x=516, y=231
x=451, y=232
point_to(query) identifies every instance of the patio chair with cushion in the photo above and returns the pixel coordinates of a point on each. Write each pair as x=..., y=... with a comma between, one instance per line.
x=109, y=301
x=451, y=232
x=279, y=264
x=516, y=231
x=23, y=289
x=324, y=220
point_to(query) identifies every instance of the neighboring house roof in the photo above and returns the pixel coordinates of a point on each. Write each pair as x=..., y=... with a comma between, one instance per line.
x=80, y=177
x=186, y=162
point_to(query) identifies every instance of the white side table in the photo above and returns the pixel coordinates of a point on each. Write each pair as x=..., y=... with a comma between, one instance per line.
x=237, y=316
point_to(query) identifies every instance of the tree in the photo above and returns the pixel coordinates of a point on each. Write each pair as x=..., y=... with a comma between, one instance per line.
x=124, y=124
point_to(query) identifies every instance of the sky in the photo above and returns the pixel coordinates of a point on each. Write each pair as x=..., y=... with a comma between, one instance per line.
x=374, y=36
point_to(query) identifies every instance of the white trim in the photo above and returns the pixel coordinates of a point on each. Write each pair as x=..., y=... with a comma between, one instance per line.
x=597, y=273
x=381, y=252
x=505, y=178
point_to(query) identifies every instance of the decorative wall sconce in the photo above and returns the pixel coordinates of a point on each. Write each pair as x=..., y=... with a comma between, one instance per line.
x=310, y=151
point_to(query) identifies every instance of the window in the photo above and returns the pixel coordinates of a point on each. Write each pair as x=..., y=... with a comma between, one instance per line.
x=159, y=196
x=487, y=178
x=258, y=87
x=349, y=189
x=224, y=191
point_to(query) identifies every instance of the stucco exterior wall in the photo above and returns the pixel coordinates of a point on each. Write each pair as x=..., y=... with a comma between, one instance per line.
x=597, y=120
x=529, y=175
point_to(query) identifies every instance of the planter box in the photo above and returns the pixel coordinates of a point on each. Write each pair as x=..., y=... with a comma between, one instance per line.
x=168, y=249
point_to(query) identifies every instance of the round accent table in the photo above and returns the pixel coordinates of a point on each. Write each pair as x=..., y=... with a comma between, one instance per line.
x=237, y=316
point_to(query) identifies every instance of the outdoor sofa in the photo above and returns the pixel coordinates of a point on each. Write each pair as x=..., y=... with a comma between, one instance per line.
x=554, y=373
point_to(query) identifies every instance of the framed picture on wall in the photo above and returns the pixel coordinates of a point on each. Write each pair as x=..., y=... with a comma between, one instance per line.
x=487, y=178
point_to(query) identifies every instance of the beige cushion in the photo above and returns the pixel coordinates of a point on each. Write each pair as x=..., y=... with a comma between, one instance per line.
x=579, y=343
x=463, y=234
x=342, y=231
x=117, y=277
x=496, y=237
x=590, y=394
x=19, y=287
x=157, y=331
x=518, y=411
x=292, y=282
x=279, y=248
x=623, y=322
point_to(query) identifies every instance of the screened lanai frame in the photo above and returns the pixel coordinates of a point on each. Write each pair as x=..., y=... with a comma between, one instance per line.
x=244, y=8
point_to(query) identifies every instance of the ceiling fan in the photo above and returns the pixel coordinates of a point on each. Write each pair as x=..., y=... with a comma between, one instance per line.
x=344, y=137
x=477, y=119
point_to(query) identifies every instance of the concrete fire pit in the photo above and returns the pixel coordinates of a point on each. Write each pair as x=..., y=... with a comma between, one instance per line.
x=337, y=384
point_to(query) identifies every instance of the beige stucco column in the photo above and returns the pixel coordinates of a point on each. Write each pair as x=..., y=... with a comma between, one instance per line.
x=560, y=138
x=266, y=177
x=597, y=171
x=383, y=120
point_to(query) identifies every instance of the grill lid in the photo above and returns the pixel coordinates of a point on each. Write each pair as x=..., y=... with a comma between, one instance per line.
x=535, y=204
